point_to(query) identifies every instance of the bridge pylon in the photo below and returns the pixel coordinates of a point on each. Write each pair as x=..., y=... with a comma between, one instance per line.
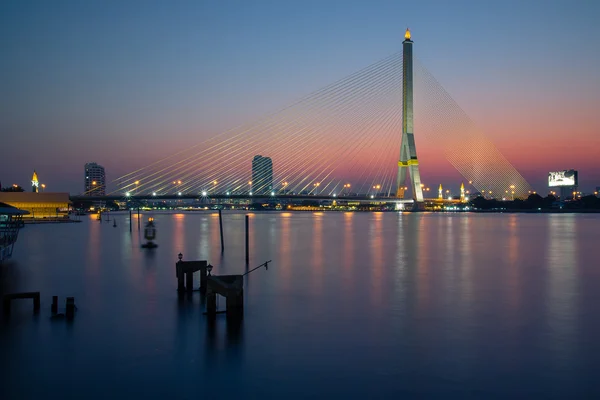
x=409, y=162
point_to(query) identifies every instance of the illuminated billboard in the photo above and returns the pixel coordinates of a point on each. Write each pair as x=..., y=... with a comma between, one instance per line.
x=562, y=178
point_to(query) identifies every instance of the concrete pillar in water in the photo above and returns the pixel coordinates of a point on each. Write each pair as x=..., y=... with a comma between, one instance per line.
x=189, y=281
x=211, y=303
x=235, y=304
x=179, y=274
x=203, y=278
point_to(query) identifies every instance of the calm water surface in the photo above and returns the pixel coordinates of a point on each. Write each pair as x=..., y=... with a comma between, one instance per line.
x=355, y=305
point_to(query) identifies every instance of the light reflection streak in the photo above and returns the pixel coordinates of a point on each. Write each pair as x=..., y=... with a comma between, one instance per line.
x=178, y=236
x=514, y=273
x=284, y=250
x=376, y=267
x=348, y=252
x=561, y=289
x=317, y=273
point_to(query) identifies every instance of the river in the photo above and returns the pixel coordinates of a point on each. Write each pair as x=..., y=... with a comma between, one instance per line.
x=353, y=305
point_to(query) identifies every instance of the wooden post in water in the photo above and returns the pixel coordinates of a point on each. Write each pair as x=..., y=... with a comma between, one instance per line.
x=189, y=281
x=211, y=303
x=247, y=242
x=130, y=220
x=179, y=274
x=138, y=218
x=70, y=308
x=54, y=308
x=221, y=229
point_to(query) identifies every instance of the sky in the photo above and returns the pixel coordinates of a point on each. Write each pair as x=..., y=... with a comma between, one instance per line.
x=123, y=83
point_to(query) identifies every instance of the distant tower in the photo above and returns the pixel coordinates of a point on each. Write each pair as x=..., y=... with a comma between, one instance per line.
x=462, y=192
x=35, y=183
x=262, y=175
x=95, y=180
x=440, y=193
x=408, y=152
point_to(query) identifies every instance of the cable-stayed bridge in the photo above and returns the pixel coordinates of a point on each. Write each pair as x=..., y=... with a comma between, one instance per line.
x=353, y=137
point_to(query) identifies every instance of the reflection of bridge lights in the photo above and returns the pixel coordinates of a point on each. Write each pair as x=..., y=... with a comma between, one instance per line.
x=204, y=193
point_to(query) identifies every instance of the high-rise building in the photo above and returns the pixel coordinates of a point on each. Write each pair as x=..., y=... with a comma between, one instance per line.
x=95, y=180
x=262, y=175
x=408, y=151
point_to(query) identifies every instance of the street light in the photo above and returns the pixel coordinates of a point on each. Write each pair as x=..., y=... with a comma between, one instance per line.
x=180, y=256
x=43, y=186
x=347, y=186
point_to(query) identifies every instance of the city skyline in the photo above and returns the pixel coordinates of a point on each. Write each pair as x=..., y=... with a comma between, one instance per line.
x=76, y=93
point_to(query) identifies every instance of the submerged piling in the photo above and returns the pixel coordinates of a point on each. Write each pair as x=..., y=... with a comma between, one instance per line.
x=54, y=307
x=70, y=308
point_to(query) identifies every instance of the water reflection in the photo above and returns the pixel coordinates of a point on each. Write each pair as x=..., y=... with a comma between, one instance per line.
x=460, y=300
x=316, y=268
x=376, y=274
x=561, y=288
x=285, y=268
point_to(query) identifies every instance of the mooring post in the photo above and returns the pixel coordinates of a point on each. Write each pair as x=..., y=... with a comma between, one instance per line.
x=247, y=242
x=130, y=220
x=36, y=302
x=221, y=229
x=54, y=307
x=70, y=309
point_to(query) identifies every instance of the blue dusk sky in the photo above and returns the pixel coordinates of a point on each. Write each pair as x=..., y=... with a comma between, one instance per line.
x=123, y=83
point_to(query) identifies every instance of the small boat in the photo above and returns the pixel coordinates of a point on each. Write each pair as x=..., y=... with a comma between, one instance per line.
x=11, y=220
